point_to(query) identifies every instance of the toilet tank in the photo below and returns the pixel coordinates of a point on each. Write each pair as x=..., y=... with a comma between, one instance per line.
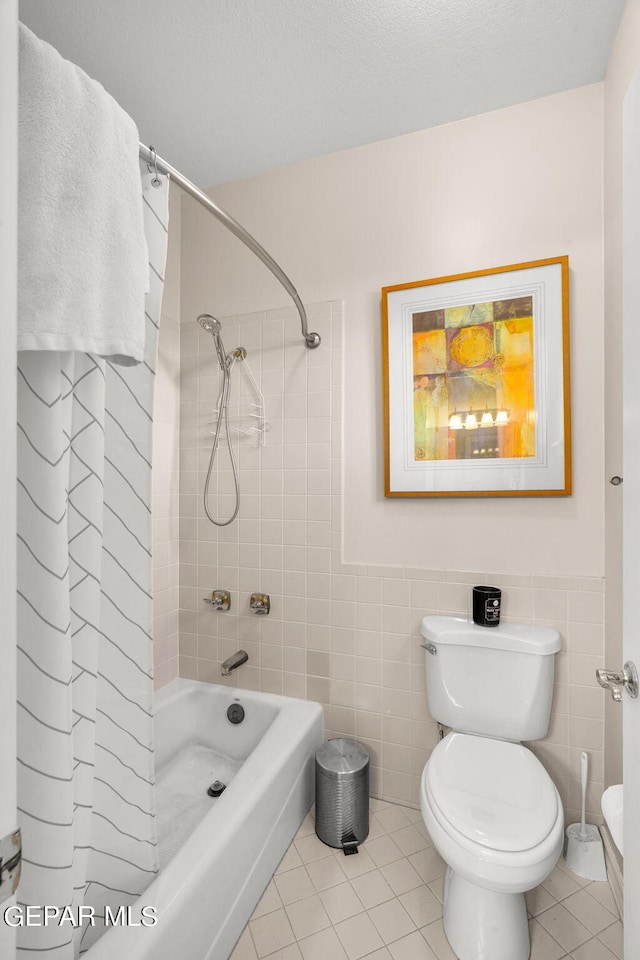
x=492, y=681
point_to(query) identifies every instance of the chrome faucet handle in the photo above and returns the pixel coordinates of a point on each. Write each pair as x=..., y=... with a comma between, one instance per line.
x=614, y=682
x=219, y=600
x=260, y=602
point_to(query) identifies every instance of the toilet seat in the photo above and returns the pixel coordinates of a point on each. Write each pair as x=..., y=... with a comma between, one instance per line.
x=487, y=864
x=493, y=793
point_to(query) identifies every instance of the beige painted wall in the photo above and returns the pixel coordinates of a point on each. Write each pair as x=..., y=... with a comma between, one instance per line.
x=623, y=62
x=510, y=186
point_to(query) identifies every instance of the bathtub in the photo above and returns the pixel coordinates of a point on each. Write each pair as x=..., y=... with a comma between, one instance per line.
x=218, y=855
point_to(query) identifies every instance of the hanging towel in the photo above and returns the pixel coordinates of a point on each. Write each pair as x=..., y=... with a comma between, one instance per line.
x=83, y=263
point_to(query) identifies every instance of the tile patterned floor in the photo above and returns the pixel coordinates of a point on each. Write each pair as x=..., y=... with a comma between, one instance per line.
x=385, y=903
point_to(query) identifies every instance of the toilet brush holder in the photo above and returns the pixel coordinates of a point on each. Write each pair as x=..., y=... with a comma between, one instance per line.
x=583, y=849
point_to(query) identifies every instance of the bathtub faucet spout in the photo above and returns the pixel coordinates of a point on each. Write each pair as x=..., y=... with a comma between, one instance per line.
x=233, y=662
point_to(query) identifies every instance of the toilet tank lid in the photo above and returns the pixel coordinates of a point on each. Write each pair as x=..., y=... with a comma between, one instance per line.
x=519, y=637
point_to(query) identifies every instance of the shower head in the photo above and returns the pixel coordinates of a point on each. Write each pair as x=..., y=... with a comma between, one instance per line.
x=214, y=327
x=209, y=323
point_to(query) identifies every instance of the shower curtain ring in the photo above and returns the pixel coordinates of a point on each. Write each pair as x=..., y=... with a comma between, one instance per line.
x=156, y=181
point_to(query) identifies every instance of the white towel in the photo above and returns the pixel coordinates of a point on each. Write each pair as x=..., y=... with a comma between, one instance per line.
x=83, y=264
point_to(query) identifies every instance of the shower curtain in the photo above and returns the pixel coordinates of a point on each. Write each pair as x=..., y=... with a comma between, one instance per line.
x=85, y=676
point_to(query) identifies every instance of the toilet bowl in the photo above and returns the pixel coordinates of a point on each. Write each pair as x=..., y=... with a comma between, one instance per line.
x=492, y=811
x=496, y=819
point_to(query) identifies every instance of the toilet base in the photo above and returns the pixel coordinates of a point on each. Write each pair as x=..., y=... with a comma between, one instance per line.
x=481, y=924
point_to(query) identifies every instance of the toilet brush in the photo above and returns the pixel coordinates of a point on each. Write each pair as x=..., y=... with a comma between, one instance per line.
x=583, y=850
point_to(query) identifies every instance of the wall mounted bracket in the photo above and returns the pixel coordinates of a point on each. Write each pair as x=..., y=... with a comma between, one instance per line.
x=10, y=864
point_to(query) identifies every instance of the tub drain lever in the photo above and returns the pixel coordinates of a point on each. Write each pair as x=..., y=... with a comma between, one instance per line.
x=216, y=788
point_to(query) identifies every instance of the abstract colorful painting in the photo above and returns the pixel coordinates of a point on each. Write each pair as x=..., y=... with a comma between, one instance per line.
x=476, y=383
x=474, y=361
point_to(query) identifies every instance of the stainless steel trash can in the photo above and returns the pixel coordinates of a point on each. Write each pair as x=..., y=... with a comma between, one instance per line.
x=342, y=793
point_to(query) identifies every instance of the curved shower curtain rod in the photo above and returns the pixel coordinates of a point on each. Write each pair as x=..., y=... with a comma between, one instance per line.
x=149, y=154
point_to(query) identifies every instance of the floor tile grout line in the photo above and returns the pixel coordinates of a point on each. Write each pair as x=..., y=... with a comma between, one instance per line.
x=253, y=943
x=610, y=949
x=604, y=906
x=555, y=940
x=592, y=936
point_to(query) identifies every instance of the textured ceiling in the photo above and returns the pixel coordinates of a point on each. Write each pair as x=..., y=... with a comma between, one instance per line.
x=228, y=88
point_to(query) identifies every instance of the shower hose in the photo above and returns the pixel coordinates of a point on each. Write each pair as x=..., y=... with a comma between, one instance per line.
x=223, y=412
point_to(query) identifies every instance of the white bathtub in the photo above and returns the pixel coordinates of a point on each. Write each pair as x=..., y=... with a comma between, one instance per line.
x=206, y=892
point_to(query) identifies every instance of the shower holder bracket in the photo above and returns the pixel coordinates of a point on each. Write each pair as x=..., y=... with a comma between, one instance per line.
x=10, y=864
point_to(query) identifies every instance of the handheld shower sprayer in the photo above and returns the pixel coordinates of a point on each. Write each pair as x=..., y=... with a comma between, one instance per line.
x=226, y=361
x=214, y=327
x=209, y=323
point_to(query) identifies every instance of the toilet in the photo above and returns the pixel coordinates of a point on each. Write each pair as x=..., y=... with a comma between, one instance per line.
x=493, y=813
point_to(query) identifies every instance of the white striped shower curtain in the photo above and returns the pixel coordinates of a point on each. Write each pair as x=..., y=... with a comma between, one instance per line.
x=85, y=733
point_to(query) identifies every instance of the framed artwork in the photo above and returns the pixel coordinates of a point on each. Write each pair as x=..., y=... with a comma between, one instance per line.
x=476, y=383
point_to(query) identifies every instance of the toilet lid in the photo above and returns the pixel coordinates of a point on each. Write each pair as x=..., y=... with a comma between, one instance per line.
x=493, y=792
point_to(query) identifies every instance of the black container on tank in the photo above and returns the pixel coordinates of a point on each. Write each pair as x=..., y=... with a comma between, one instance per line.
x=486, y=606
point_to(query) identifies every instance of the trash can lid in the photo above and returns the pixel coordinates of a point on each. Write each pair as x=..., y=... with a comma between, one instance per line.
x=342, y=757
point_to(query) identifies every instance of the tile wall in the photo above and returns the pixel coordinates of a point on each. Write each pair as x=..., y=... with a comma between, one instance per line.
x=344, y=635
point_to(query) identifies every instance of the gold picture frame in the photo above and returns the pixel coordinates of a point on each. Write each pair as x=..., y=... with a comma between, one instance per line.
x=476, y=383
